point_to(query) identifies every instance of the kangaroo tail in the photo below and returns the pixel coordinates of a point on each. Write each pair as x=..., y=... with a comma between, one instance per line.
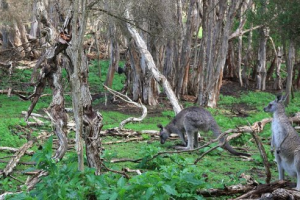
x=216, y=130
x=229, y=148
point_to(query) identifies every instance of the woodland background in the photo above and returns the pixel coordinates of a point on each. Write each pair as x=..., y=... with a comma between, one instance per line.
x=59, y=59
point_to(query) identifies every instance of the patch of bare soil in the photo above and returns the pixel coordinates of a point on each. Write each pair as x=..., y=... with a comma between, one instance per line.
x=229, y=87
x=118, y=105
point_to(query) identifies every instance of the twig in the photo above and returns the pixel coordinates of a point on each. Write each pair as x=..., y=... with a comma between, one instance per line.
x=16, y=179
x=263, y=155
x=211, y=149
x=123, y=141
x=115, y=171
x=171, y=152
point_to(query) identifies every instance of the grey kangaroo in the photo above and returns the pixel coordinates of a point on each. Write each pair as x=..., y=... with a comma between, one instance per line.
x=190, y=121
x=285, y=141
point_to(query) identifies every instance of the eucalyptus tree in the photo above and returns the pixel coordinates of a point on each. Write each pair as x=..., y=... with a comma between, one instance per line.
x=282, y=18
x=218, y=17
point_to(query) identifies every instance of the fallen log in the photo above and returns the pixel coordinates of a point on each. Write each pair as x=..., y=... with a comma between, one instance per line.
x=263, y=188
x=12, y=91
x=248, y=191
x=33, y=180
x=227, y=191
x=123, y=141
x=14, y=161
x=14, y=150
x=22, y=163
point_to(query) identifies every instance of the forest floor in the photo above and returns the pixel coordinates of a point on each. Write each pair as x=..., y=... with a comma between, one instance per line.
x=238, y=106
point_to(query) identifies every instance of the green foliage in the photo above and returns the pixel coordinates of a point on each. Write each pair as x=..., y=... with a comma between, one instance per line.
x=147, y=152
x=66, y=182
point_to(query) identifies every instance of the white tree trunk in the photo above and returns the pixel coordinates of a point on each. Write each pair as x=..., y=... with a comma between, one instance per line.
x=152, y=68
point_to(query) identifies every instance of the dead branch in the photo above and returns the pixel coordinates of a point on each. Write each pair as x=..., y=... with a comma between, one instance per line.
x=12, y=91
x=14, y=150
x=128, y=100
x=36, y=115
x=137, y=171
x=21, y=151
x=22, y=163
x=208, y=151
x=14, y=161
x=115, y=171
x=3, y=196
x=263, y=155
x=33, y=180
x=227, y=191
x=170, y=152
x=124, y=141
x=262, y=189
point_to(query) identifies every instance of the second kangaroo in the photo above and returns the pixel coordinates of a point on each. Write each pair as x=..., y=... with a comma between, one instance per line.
x=285, y=141
x=190, y=121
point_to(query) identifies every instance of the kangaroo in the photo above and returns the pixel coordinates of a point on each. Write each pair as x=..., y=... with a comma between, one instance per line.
x=190, y=121
x=285, y=141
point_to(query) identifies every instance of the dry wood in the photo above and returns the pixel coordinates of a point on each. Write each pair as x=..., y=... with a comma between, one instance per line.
x=132, y=170
x=115, y=171
x=14, y=161
x=263, y=155
x=227, y=191
x=36, y=115
x=261, y=189
x=14, y=150
x=3, y=196
x=33, y=180
x=12, y=91
x=128, y=100
x=124, y=141
x=21, y=163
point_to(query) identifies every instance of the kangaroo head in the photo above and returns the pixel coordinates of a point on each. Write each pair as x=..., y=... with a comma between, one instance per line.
x=276, y=104
x=163, y=134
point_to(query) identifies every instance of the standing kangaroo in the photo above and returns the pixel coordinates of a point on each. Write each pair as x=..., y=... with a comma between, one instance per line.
x=285, y=141
x=190, y=121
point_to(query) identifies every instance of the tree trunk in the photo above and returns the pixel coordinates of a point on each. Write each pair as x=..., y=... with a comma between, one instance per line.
x=290, y=60
x=114, y=54
x=248, y=59
x=217, y=23
x=277, y=81
x=261, y=73
x=182, y=76
x=17, y=42
x=136, y=74
x=59, y=116
x=151, y=66
x=85, y=116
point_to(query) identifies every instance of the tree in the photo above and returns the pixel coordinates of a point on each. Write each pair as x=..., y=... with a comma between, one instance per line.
x=217, y=22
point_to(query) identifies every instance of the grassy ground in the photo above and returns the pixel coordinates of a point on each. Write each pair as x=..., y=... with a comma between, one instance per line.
x=215, y=170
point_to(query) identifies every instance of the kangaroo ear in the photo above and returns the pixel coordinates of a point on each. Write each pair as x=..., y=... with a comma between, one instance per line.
x=282, y=98
x=160, y=126
x=278, y=97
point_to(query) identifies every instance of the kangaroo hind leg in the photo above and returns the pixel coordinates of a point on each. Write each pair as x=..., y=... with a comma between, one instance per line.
x=190, y=144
